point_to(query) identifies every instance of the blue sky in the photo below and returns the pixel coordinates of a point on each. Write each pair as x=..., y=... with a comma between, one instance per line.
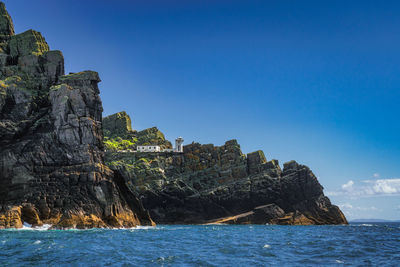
x=314, y=81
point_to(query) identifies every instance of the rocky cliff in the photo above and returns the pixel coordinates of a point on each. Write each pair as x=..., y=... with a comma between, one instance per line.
x=219, y=184
x=53, y=169
x=51, y=142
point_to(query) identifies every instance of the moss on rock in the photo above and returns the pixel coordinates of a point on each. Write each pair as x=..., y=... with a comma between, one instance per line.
x=28, y=43
x=117, y=125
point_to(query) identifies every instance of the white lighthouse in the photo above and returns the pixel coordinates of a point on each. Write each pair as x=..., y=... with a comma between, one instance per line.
x=179, y=144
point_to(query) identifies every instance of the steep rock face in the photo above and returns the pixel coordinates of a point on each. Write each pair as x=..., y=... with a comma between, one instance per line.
x=51, y=144
x=211, y=184
x=6, y=27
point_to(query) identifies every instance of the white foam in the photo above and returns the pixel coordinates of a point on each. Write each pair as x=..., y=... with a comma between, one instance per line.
x=267, y=246
x=363, y=225
x=44, y=227
x=26, y=225
x=339, y=261
x=37, y=242
x=140, y=227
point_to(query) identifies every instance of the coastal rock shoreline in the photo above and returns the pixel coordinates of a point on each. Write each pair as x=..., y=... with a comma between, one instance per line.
x=63, y=164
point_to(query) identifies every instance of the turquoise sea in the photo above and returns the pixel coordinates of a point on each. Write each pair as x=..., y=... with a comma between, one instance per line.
x=220, y=245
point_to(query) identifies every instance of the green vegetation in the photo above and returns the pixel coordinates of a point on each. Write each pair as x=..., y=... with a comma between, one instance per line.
x=83, y=75
x=115, y=144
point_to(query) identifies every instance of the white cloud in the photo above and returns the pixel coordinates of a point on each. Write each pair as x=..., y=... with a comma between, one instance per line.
x=352, y=211
x=376, y=175
x=367, y=188
x=388, y=186
x=348, y=207
x=348, y=186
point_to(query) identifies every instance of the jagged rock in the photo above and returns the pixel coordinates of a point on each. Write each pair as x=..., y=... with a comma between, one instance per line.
x=10, y=217
x=51, y=143
x=255, y=160
x=28, y=43
x=6, y=27
x=120, y=124
x=211, y=184
x=30, y=58
x=118, y=127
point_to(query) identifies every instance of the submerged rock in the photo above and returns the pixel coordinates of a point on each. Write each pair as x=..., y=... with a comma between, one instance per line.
x=211, y=184
x=51, y=142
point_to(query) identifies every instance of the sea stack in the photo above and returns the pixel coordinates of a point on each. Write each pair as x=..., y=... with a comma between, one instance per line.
x=51, y=142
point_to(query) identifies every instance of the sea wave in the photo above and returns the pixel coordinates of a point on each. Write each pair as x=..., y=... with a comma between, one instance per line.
x=140, y=227
x=27, y=226
x=362, y=225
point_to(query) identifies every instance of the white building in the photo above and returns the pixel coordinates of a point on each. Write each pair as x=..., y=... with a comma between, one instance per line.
x=151, y=148
x=179, y=145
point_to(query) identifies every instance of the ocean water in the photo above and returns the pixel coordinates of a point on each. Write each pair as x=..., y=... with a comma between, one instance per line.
x=218, y=245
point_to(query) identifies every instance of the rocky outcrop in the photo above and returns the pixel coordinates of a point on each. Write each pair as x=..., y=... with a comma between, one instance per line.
x=119, y=124
x=6, y=27
x=119, y=135
x=219, y=184
x=51, y=142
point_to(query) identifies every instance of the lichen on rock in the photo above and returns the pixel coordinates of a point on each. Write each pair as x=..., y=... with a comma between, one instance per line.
x=28, y=43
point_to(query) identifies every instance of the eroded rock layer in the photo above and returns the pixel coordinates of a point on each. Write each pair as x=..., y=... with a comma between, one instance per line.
x=219, y=184
x=51, y=144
